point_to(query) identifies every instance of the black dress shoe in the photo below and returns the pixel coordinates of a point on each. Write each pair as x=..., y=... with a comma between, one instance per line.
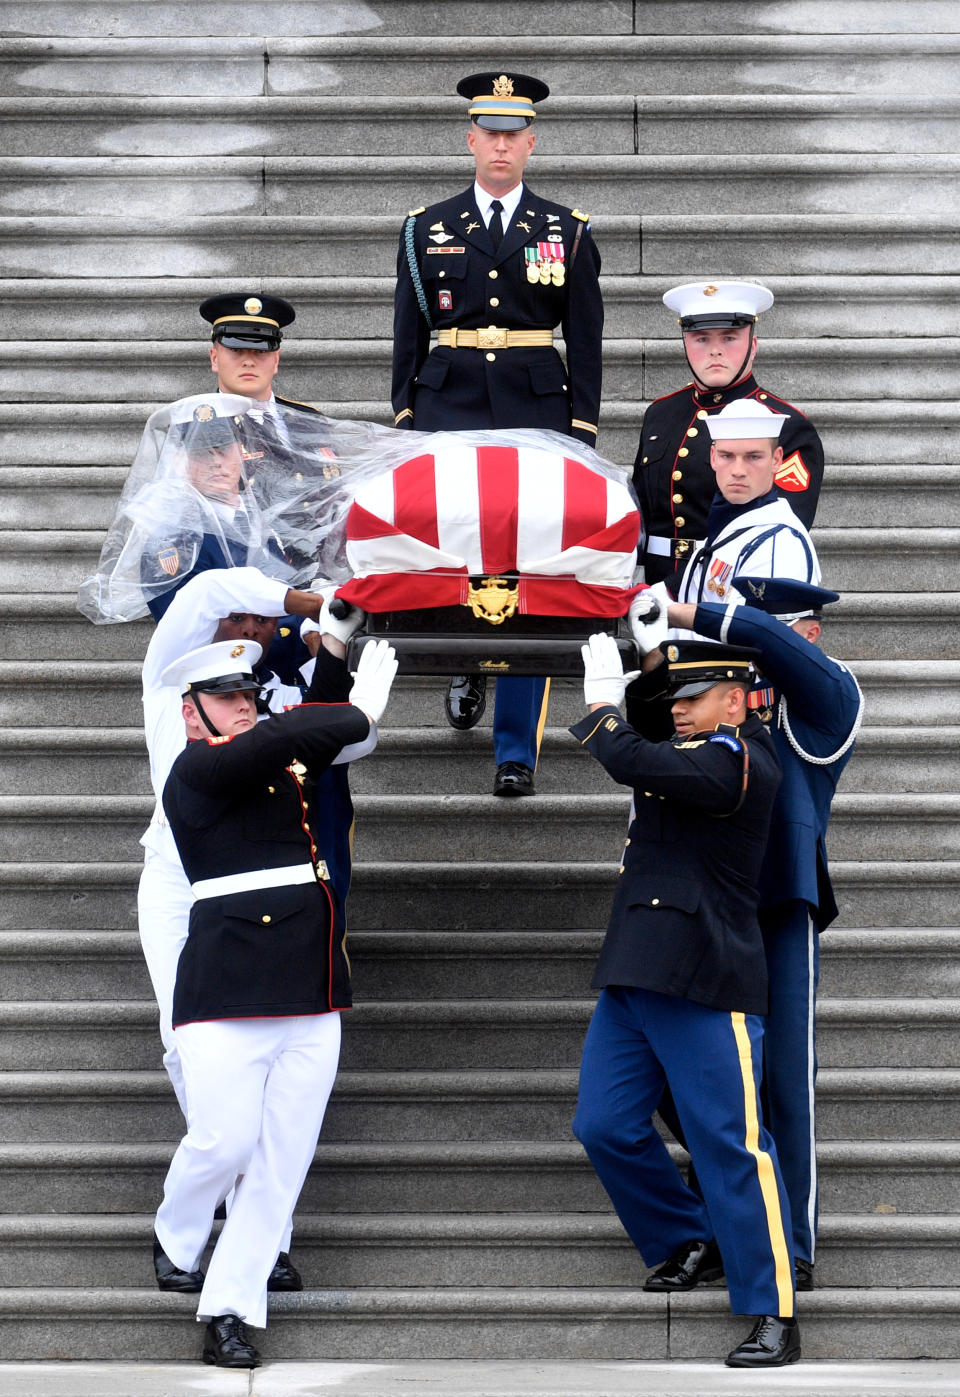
x=513, y=779
x=170, y=1277
x=772, y=1343
x=465, y=700
x=690, y=1265
x=284, y=1275
x=225, y=1344
x=802, y=1274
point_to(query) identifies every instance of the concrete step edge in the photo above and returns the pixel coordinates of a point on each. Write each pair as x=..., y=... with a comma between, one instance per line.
x=880, y=806
x=522, y=874
x=837, y=1083
x=453, y=944
x=46, y=107
x=463, y=1229
x=402, y=48
x=427, y=741
x=437, y=1154
x=416, y=167
x=573, y=1303
x=95, y=1016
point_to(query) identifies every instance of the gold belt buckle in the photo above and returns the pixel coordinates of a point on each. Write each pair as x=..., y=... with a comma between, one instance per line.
x=491, y=337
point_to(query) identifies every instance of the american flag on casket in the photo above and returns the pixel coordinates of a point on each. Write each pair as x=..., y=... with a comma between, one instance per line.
x=418, y=533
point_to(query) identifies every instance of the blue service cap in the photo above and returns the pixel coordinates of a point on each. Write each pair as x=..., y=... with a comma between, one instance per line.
x=784, y=597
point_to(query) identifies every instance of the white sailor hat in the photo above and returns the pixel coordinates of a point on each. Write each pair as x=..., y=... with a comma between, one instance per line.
x=224, y=667
x=717, y=305
x=744, y=419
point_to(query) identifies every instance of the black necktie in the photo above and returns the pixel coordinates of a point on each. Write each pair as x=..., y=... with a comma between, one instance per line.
x=495, y=228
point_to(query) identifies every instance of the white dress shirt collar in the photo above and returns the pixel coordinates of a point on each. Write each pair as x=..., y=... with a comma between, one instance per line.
x=510, y=200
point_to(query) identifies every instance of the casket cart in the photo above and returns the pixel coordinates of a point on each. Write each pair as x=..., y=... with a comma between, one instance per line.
x=494, y=553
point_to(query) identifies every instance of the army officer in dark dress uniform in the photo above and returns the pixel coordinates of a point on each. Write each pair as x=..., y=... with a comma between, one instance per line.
x=495, y=270
x=683, y=987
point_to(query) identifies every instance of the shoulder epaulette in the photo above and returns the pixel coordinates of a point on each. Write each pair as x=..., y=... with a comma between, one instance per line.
x=412, y=213
x=583, y=217
x=295, y=402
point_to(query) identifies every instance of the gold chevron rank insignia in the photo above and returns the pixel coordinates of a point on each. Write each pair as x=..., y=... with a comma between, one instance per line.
x=792, y=475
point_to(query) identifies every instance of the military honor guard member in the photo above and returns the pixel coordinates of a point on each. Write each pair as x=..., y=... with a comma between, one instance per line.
x=815, y=708
x=672, y=471
x=750, y=527
x=683, y=990
x=230, y=604
x=262, y=978
x=495, y=270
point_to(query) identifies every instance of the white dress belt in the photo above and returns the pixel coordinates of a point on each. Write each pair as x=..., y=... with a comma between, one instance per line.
x=259, y=878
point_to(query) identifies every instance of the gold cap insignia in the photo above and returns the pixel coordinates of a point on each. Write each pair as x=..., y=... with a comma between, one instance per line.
x=237, y=651
x=204, y=413
x=253, y=305
x=709, y=290
x=673, y=654
x=503, y=86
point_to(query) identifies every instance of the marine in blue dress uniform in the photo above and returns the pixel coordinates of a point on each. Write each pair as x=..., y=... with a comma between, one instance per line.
x=683, y=989
x=671, y=473
x=815, y=707
x=495, y=270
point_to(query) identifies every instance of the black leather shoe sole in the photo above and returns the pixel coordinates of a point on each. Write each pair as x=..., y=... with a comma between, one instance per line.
x=658, y=1283
x=216, y=1359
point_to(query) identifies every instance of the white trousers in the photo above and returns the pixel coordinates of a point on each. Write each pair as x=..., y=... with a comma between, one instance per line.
x=164, y=900
x=256, y=1090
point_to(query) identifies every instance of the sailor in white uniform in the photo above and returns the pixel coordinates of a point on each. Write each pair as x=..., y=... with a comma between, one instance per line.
x=750, y=527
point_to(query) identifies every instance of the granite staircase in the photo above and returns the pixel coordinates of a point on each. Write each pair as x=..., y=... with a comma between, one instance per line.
x=149, y=161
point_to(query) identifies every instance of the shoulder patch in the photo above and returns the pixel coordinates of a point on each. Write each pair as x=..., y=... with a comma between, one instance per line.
x=412, y=213
x=583, y=217
x=732, y=742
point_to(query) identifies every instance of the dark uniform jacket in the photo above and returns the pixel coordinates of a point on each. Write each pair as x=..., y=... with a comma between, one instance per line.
x=673, y=479
x=468, y=285
x=684, y=917
x=823, y=707
x=238, y=804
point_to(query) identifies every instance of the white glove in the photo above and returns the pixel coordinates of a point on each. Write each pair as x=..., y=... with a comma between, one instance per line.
x=648, y=621
x=372, y=678
x=340, y=629
x=603, y=678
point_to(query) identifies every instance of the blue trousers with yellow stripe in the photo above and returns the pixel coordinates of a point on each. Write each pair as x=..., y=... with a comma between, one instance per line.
x=520, y=711
x=637, y=1042
x=792, y=945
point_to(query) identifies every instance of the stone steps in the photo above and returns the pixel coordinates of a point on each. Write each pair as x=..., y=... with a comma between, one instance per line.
x=883, y=431
x=415, y=965
x=115, y=688
x=865, y=1177
x=863, y=825
x=568, y=893
x=482, y=1249
x=354, y=307
x=792, y=125
x=230, y=244
x=455, y=1034
x=860, y=369
x=481, y=1322
x=442, y=762
x=647, y=65
x=170, y=186
x=886, y=1103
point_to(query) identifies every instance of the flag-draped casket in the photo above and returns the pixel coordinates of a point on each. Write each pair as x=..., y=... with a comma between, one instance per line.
x=563, y=531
